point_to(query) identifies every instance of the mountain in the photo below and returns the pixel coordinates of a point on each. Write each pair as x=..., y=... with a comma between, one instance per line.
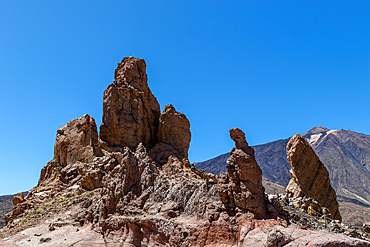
x=345, y=153
x=271, y=157
x=6, y=206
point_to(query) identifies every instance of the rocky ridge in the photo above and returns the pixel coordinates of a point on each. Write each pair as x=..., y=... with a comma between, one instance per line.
x=135, y=187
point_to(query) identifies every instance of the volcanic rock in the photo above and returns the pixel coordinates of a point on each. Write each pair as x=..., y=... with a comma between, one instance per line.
x=309, y=176
x=77, y=141
x=173, y=136
x=242, y=186
x=130, y=110
x=120, y=196
x=18, y=199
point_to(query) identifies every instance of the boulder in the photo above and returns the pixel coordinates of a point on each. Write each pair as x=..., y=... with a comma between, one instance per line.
x=242, y=186
x=130, y=110
x=309, y=177
x=173, y=136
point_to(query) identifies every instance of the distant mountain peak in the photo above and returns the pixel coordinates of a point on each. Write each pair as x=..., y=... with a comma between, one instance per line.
x=316, y=130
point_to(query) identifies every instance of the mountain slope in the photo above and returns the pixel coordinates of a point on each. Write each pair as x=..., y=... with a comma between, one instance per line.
x=346, y=155
x=6, y=205
x=271, y=157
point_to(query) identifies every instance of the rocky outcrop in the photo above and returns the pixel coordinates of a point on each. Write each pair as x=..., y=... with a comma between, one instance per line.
x=131, y=115
x=173, y=136
x=120, y=196
x=18, y=199
x=130, y=110
x=77, y=141
x=309, y=176
x=242, y=186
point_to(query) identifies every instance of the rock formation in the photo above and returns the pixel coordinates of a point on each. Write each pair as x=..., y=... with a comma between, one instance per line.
x=173, y=136
x=242, y=186
x=309, y=176
x=77, y=141
x=130, y=110
x=131, y=115
x=118, y=195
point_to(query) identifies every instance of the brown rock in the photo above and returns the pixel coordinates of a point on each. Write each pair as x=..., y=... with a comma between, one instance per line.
x=309, y=176
x=173, y=136
x=134, y=173
x=76, y=141
x=243, y=185
x=18, y=199
x=121, y=197
x=130, y=110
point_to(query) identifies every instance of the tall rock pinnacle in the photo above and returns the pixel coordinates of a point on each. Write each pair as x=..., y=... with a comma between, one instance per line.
x=242, y=186
x=130, y=110
x=309, y=176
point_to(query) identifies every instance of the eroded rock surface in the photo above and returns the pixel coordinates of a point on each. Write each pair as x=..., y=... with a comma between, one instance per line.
x=118, y=195
x=242, y=186
x=173, y=136
x=77, y=141
x=130, y=110
x=309, y=176
x=131, y=115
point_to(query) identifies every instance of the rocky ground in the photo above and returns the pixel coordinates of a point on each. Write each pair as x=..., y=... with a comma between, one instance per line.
x=6, y=205
x=58, y=224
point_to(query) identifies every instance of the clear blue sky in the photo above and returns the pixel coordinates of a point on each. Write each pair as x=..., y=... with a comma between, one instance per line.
x=271, y=68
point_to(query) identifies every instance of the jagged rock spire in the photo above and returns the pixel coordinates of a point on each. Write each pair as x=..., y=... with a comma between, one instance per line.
x=242, y=186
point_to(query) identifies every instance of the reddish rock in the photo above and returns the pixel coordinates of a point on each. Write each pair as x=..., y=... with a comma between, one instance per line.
x=309, y=177
x=122, y=197
x=242, y=186
x=77, y=141
x=18, y=199
x=130, y=110
x=173, y=136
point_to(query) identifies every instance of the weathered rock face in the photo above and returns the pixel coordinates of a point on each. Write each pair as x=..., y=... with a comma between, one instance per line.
x=130, y=110
x=77, y=141
x=242, y=186
x=173, y=136
x=121, y=197
x=309, y=176
x=131, y=115
x=18, y=199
